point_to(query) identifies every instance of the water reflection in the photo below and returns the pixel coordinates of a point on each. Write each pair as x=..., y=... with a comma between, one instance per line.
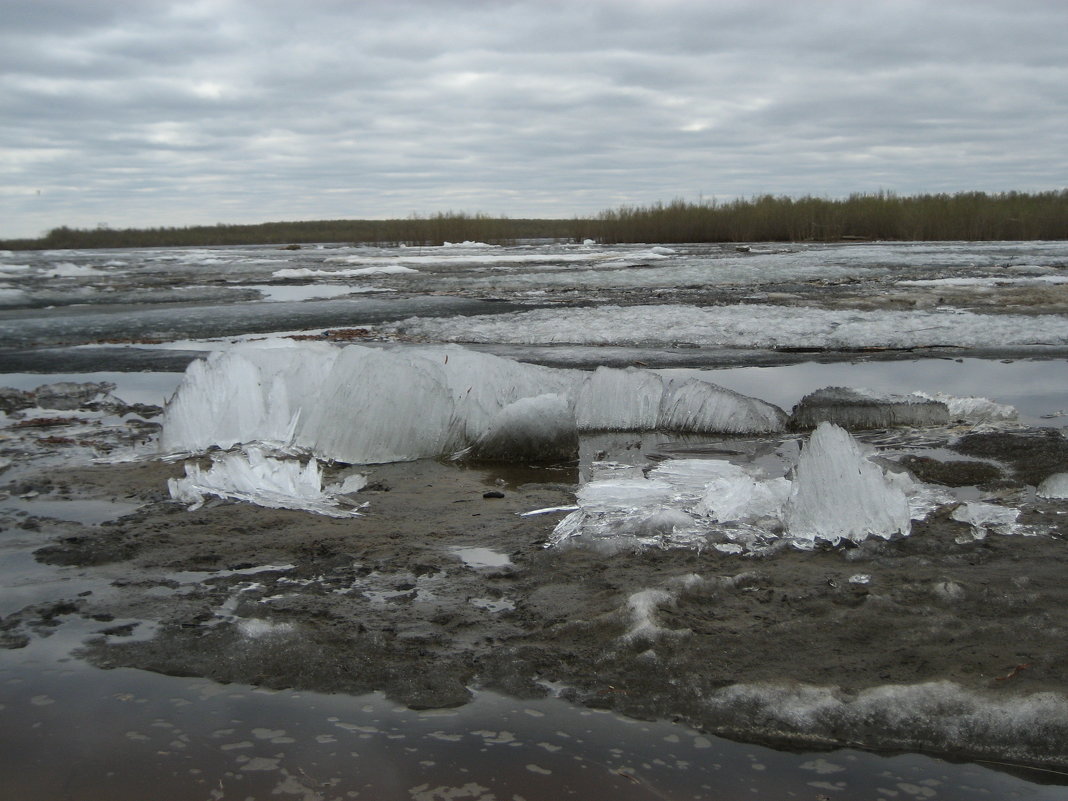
x=74, y=732
x=1037, y=389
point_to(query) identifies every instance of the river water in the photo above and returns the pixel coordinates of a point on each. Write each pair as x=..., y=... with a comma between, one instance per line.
x=828, y=315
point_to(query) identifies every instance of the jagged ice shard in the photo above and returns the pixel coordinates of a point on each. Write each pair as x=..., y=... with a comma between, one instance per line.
x=260, y=479
x=368, y=405
x=838, y=493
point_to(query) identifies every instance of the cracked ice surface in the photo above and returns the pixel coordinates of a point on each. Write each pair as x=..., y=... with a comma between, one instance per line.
x=742, y=326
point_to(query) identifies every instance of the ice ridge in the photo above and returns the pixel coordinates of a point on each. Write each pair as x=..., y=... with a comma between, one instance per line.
x=366, y=405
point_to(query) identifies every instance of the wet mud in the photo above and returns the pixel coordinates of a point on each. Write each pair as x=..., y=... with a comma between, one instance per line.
x=442, y=587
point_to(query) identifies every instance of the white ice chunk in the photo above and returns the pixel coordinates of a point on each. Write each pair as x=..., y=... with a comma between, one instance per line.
x=689, y=478
x=984, y=517
x=367, y=405
x=839, y=494
x=252, y=393
x=623, y=495
x=251, y=476
x=743, y=497
x=1055, y=486
x=379, y=406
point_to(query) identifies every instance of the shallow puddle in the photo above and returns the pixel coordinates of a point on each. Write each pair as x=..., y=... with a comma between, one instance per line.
x=87, y=511
x=481, y=557
x=70, y=731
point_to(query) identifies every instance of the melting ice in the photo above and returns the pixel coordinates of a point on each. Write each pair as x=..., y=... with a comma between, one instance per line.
x=365, y=405
x=275, y=483
x=836, y=493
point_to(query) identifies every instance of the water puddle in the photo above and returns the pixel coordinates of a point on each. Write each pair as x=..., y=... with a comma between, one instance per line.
x=73, y=731
x=481, y=557
x=275, y=293
x=88, y=512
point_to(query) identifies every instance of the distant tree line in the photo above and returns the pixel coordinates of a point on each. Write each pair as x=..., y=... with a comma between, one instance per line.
x=765, y=218
x=964, y=216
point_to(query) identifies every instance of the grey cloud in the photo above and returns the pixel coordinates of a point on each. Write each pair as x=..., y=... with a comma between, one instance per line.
x=236, y=110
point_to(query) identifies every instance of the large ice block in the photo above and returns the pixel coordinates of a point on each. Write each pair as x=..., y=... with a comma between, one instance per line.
x=838, y=493
x=368, y=405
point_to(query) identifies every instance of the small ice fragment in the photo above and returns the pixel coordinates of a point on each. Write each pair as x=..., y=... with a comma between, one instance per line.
x=548, y=510
x=856, y=408
x=1054, y=487
x=253, y=477
x=987, y=516
x=860, y=578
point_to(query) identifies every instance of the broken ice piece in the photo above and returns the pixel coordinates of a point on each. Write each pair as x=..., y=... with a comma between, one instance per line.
x=839, y=494
x=985, y=517
x=253, y=477
x=855, y=408
x=1054, y=487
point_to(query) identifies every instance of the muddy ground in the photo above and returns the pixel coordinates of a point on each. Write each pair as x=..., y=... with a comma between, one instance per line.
x=388, y=602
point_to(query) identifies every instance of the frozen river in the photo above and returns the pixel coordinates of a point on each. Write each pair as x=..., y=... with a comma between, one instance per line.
x=774, y=322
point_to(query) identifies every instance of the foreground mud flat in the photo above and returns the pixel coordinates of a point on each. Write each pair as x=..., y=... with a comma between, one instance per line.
x=950, y=639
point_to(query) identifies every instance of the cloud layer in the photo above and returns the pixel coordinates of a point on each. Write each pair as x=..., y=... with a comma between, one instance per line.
x=151, y=112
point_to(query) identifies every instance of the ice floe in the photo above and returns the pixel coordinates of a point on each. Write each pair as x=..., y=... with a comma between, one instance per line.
x=366, y=405
x=742, y=326
x=856, y=408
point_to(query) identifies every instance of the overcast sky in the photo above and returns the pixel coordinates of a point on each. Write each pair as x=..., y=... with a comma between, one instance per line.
x=152, y=112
